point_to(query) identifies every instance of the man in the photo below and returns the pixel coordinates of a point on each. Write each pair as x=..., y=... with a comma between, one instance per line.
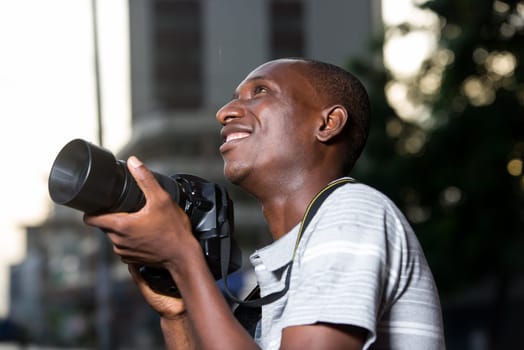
x=359, y=277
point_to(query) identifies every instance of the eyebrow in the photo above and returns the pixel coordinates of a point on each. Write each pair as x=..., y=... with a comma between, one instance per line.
x=250, y=80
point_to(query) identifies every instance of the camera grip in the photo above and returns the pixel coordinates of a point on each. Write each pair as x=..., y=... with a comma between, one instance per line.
x=159, y=280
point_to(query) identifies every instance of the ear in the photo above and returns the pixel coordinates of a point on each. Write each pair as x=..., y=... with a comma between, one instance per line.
x=334, y=120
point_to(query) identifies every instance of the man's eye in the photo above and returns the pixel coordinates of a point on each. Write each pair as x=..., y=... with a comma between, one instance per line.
x=260, y=90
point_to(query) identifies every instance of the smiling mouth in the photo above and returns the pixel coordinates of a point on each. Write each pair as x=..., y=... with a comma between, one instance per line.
x=236, y=136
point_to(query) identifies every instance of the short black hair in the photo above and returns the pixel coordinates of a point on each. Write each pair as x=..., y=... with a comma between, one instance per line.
x=339, y=86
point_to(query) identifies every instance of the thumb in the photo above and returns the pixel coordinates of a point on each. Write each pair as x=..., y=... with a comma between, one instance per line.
x=142, y=285
x=135, y=274
x=143, y=176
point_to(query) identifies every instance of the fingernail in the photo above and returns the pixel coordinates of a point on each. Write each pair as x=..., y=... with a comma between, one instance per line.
x=134, y=162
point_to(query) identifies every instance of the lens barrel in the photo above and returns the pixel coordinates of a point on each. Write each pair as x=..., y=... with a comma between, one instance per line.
x=89, y=178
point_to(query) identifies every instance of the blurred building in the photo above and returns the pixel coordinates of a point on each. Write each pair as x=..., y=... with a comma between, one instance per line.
x=187, y=56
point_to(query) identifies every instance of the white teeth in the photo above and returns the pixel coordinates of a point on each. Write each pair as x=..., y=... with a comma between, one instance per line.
x=236, y=136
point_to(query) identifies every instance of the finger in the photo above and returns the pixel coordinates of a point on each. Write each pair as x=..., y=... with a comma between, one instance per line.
x=135, y=274
x=143, y=176
x=143, y=287
x=141, y=283
x=106, y=222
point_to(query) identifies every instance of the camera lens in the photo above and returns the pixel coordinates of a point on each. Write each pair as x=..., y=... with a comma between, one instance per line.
x=89, y=178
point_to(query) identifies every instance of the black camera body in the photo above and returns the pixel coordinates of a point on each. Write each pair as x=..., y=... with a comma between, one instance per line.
x=90, y=179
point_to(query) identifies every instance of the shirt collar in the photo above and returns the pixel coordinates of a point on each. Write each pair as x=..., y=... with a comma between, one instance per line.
x=278, y=253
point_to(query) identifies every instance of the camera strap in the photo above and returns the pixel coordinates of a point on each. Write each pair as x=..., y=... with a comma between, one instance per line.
x=249, y=310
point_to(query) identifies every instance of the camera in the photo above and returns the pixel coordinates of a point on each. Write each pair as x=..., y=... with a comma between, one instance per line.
x=89, y=178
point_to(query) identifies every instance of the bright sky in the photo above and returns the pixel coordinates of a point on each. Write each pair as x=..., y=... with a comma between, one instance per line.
x=47, y=97
x=405, y=53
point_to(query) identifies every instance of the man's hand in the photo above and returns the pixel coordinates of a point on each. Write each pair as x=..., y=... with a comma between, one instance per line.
x=178, y=334
x=159, y=234
x=167, y=306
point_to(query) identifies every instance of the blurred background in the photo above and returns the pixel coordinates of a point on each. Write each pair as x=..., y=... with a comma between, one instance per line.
x=146, y=77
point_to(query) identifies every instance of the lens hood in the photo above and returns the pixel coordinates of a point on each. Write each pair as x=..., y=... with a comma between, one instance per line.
x=86, y=177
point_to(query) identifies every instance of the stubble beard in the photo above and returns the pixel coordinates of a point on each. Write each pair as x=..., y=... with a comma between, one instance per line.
x=235, y=173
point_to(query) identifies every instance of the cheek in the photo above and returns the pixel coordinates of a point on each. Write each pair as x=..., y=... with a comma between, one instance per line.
x=279, y=150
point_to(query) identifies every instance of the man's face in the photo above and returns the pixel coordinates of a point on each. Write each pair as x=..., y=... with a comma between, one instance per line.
x=268, y=127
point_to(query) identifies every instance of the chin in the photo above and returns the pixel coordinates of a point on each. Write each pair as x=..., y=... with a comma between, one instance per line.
x=236, y=174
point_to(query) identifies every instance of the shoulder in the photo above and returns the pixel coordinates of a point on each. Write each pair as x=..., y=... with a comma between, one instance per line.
x=361, y=206
x=357, y=194
x=361, y=221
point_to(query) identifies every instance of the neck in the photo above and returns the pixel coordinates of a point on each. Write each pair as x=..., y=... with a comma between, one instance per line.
x=285, y=208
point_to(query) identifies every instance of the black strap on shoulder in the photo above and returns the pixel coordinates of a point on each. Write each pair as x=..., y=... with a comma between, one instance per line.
x=253, y=300
x=249, y=310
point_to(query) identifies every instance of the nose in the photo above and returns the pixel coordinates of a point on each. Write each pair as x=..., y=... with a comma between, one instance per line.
x=229, y=111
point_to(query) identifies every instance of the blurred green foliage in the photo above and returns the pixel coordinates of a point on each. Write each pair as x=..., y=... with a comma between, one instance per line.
x=458, y=174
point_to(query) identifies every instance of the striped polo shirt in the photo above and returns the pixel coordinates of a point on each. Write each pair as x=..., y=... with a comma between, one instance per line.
x=358, y=263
